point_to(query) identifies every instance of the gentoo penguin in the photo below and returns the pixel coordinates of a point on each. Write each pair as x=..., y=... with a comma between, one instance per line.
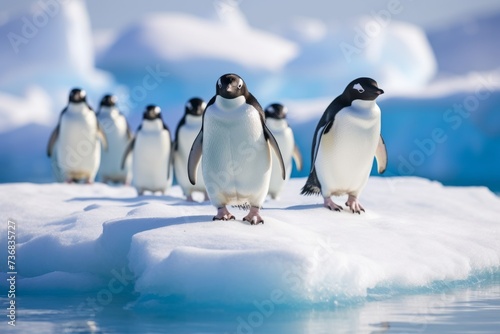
x=151, y=158
x=118, y=133
x=276, y=122
x=188, y=128
x=76, y=140
x=345, y=141
x=235, y=143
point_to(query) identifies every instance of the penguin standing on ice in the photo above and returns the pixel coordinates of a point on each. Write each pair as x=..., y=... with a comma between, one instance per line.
x=276, y=122
x=236, y=147
x=188, y=128
x=344, y=143
x=118, y=133
x=76, y=141
x=151, y=157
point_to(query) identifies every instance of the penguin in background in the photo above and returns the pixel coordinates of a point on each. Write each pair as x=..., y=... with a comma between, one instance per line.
x=151, y=150
x=236, y=146
x=276, y=122
x=188, y=128
x=75, y=143
x=118, y=133
x=346, y=139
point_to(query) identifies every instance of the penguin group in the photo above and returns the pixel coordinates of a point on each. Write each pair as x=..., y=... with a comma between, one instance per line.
x=230, y=150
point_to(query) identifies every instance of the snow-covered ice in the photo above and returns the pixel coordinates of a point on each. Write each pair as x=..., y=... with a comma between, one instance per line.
x=76, y=238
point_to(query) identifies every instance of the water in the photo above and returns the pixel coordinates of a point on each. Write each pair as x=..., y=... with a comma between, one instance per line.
x=475, y=309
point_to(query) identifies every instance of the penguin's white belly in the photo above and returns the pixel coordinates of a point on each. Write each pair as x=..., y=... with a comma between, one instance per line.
x=78, y=149
x=345, y=155
x=236, y=157
x=286, y=143
x=187, y=135
x=150, y=160
x=116, y=135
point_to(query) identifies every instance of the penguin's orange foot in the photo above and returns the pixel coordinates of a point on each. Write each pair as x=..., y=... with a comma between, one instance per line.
x=253, y=216
x=329, y=204
x=354, y=205
x=223, y=214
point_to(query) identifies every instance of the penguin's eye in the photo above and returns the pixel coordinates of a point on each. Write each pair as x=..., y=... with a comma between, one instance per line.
x=359, y=88
x=219, y=83
x=240, y=84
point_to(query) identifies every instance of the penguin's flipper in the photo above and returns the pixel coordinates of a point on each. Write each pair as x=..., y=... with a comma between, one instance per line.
x=195, y=157
x=52, y=140
x=297, y=156
x=381, y=155
x=274, y=144
x=170, y=160
x=312, y=186
x=320, y=131
x=177, y=129
x=102, y=137
x=129, y=149
x=130, y=134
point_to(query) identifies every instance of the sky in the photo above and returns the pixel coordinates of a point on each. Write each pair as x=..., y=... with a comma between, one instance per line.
x=114, y=15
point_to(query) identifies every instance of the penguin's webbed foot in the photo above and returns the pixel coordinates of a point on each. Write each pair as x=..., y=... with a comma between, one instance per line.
x=354, y=205
x=223, y=214
x=329, y=204
x=253, y=216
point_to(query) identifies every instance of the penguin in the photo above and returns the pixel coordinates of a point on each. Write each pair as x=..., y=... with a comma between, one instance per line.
x=118, y=133
x=276, y=122
x=188, y=128
x=236, y=147
x=344, y=143
x=75, y=143
x=151, y=150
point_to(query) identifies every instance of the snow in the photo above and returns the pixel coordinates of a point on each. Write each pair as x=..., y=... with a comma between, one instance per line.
x=415, y=233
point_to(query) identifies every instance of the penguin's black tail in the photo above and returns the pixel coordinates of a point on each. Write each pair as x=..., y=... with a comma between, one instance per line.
x=312, y=186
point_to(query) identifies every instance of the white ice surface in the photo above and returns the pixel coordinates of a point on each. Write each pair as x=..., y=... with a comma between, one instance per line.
x=415, y=233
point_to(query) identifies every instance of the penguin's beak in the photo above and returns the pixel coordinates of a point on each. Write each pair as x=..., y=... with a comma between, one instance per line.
x=380, y=91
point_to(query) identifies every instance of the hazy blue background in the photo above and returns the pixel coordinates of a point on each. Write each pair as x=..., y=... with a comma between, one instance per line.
x=439, y=60
x=115, y=14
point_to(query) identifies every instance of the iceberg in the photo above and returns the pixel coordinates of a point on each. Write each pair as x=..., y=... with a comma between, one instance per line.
x=50, y=45
x=96, y=239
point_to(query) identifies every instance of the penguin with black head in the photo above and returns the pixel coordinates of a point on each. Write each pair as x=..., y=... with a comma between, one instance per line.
x=346, y=139
x=151, y=151
x=118, y=133
x=276, y=121
x=188, y=128
x=75, y=143
x=236, y=146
